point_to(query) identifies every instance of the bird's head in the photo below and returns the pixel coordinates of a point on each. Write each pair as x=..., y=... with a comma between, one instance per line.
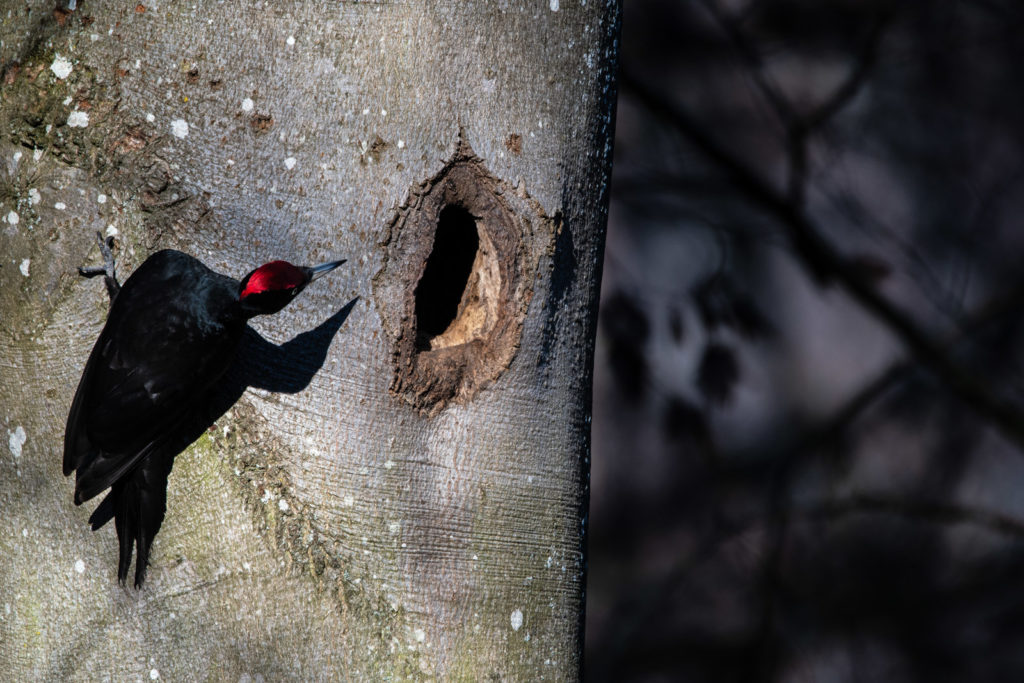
x=270, y=287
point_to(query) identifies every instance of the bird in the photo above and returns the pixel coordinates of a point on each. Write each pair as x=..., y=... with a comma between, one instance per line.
x=171, y=333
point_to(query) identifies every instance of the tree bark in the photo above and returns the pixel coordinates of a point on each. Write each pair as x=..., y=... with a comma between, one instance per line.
x=402, y=491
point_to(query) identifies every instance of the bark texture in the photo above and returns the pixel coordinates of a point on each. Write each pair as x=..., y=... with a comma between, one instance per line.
x=358, y=514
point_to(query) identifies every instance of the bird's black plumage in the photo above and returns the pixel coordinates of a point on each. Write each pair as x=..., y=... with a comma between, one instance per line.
x=171, y=334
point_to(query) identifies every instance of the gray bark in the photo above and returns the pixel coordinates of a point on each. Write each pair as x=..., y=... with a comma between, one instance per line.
x=417, y=509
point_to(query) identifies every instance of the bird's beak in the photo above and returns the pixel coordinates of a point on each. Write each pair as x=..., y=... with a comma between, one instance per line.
x=323, y=268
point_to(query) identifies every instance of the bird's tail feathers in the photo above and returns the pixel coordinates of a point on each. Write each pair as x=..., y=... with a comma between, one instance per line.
x=126, y=527
x=137, y=504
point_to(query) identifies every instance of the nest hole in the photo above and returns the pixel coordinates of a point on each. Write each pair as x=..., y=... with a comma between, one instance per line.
x=455, y=296
x=454, y=288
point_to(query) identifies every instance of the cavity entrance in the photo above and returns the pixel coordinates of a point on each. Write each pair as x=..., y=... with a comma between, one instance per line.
x=442, y=289
x=455, y=261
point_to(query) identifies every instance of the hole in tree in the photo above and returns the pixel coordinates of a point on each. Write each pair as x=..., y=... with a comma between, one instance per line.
x=442, y=288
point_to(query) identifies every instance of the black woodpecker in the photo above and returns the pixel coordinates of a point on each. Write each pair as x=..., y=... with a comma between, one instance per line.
x=172, y=332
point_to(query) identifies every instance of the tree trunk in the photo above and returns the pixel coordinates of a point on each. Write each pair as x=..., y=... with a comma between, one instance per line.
x=402, y=491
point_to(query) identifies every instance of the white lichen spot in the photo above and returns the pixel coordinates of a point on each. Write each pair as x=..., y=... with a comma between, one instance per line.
x=290, y=41
x=15, y=440
x=16, y=157
x=61, y=67
x=60, y=206
x=150, y=118
x=516, y=619
x=24, y=266
x=289, y=163
x=282, y=505
x=248, y=104
x=138, y=63
x=401, y=144
x=78, y=119
x=394, y=527
x=111, y=231
x=67, y=100
x=383, y=112
x=12, y=217
x=267, y=496
x=101, y=199
x=153, y=674
x=419, y=634
x=34, y=197
x=554, y=5
x=79, y=566
x=388, y=464
x=179, y=128
x=49, y=127
x=366, y=111
x=549, y=562
x=349, y=500
x=37, y=154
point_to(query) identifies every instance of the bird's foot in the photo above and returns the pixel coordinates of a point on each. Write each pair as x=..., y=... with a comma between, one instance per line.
x=107, y=269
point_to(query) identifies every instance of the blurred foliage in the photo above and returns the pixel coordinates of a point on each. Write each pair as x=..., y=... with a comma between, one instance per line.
x=809, y=404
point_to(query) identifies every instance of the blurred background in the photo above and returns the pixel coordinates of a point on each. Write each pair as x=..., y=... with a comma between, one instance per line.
x=808, y=452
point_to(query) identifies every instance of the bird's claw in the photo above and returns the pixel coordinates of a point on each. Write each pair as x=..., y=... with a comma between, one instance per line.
x=107, y=269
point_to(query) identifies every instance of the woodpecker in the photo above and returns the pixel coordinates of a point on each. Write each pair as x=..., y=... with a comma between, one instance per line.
x=171, y=333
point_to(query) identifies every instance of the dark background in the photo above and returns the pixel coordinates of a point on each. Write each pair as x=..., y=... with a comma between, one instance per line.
x=808, y=457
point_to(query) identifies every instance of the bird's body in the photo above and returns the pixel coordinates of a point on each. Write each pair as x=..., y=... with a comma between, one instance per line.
x=172, y=333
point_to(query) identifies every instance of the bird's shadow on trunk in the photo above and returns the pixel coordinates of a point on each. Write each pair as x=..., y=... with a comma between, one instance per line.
x=286, y=368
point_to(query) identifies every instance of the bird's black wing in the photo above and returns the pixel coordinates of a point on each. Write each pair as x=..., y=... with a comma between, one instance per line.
x=172, y=330
x=152, y=362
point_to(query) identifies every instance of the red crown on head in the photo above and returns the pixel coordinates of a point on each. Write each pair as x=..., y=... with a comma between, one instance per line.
x=273, y=277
